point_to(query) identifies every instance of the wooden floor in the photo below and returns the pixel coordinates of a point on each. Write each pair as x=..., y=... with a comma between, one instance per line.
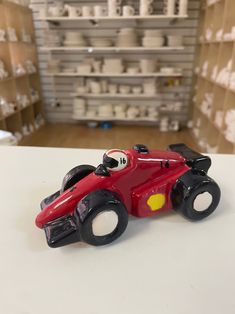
x=79, y=136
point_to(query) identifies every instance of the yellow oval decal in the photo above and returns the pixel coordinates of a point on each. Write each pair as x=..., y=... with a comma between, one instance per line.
x=156, y=201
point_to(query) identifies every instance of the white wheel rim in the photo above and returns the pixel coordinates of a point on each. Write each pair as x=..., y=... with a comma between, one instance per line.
x=202, y=202
x=104, y=223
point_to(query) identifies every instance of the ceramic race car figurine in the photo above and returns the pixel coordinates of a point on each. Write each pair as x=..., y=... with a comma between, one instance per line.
x=93, y=204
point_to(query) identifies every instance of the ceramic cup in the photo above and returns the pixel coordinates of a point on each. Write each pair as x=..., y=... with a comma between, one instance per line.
x=148, y=65
x=174, y=40
x=56, y=11
x=136, y=90
x=97, y=66
x=150, y=87
x=100, y=10
x=115, y=11
x=146, y=10
x=104, y=86
x=128, y=10
x=84, y=69
x=124, y=89
x=114, y=8
x=113, y=88
x=95, y=87
x=169, y=7
x=146, y=2
x=2, y=35
x=73, y=11
x=183, y=7
x=87, y=11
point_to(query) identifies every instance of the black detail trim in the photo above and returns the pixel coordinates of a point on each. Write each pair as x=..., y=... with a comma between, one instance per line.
x=141, y=149
x=193, y=159
x=109, y=162
x=48, y=200
x=102, y=171
x=62, y=231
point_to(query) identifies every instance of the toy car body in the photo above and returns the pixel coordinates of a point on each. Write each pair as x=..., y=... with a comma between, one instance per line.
x=94, y=203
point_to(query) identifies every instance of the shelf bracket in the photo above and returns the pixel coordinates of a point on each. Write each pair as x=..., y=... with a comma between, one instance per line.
x=173, y=21
x=54, y=23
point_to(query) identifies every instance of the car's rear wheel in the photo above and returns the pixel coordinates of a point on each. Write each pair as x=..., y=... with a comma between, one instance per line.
x=75, y=175
x=195, y=195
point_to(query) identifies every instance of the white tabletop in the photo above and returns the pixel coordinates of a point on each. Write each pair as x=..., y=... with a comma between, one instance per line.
x=164, y=265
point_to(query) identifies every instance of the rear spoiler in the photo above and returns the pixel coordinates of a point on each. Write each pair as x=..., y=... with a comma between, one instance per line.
x=193, y=159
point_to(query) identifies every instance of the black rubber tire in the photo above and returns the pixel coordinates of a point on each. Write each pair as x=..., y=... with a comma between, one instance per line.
x=75, y=175
x=188, y=188
x=86, y=227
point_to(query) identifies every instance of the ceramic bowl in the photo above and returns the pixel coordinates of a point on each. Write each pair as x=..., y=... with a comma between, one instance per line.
x=84, y=68
x=153, y=41
x=174, y=41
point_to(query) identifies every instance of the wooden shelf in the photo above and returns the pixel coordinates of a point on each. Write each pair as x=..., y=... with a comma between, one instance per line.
x=113, y=18
x=216, y=83
x=122, y=75
x=111, y=49
x=214, y=3
x=204, y=42
x=117, y=96
x=144, y=119
x=215, y=56
x=12, y=53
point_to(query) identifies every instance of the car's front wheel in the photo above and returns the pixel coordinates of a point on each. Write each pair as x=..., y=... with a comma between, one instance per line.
x=103, y=222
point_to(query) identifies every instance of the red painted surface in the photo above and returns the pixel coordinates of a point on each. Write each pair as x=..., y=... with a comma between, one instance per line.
x=144, y=176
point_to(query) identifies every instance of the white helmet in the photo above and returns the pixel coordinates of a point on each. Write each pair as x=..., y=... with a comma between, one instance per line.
x=115, y=160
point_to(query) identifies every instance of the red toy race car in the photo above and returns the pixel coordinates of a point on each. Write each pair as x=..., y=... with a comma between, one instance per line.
x=94, y=203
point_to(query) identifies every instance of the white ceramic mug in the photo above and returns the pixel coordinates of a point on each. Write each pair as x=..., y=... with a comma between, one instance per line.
x=100, y=10
x=150, y=87
x=146, y=2
x=104, y=86
x=146, y=10
x=124, y=89
x=147, y=65
x=128, y=10
x=73, y=11
x=87, y=11
x=56, y=11
x=169, y=7
x=116, y=11
x=42, y=13
x=114, y=8
x=183, y=7
x=113, y=88
x=97, y=66
x=2, y=35
x=95, y=87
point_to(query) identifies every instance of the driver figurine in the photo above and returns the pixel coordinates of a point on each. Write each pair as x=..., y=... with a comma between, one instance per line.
x=115, y=160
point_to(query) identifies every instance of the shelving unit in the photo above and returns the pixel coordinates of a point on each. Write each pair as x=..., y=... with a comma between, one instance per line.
x=12, y=53
x=216, y=54
x=58, y=87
